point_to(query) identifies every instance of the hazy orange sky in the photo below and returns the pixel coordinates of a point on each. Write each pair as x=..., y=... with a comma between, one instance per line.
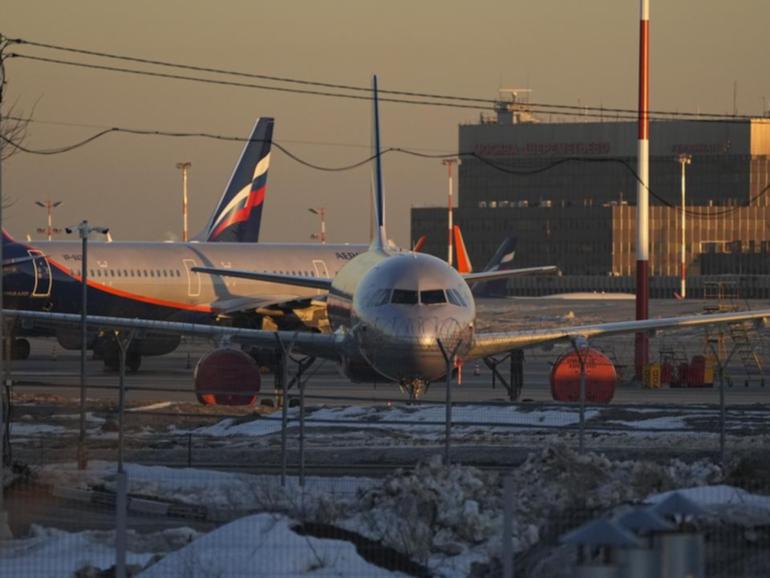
x=566, y=51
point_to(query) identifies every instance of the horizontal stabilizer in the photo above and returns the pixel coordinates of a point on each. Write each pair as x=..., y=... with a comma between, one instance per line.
x=501, y=274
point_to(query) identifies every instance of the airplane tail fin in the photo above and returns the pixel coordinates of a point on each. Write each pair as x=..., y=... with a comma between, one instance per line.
x=11, y=249
x=238, y=215
x=380, y=239
x=463, y=261
x=501, y=260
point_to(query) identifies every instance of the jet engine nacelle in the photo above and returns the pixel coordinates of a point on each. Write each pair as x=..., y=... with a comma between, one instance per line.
x=230, y=371
x=600, y=377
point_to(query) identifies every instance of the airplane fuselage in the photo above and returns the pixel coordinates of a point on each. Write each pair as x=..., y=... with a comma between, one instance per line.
x=156, y=281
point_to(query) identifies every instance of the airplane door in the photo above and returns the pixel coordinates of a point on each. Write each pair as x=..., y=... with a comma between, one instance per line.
x=43, y=278
x=193, y=278
x=320, y=270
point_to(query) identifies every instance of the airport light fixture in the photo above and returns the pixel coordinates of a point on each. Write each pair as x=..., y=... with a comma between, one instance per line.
x=84, y=231
x=321, y=212
x=683, y=159
x=184, y=167
x=49, y=205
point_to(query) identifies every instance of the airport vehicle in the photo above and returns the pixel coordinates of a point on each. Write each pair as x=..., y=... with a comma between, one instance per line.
x=157, y=281
x=397, y=315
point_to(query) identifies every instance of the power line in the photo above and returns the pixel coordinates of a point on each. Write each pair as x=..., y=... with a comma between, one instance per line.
x=219, y=82
x=479, y=102
x=516, y=172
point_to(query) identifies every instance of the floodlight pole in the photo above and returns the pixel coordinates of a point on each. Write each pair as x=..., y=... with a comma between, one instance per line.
x=49, y=205
x=84, y=231
x=449, y=163
x=683, y=159
x=184, y=166
x=321, y=212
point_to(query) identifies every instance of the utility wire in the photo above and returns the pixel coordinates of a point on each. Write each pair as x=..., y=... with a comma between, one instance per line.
x=516, y=172
x=480, y=102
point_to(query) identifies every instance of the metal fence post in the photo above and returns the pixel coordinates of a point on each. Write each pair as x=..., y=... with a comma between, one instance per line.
x=122, y=478
x=284, y=413
x=449, y=359
x=507, y=549
x=301, y=386
x=581, y=360
x=120, y=525
x=722, y=416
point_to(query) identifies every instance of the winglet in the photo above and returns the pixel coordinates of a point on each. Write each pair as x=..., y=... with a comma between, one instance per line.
x=238, y=215
x=379, y=241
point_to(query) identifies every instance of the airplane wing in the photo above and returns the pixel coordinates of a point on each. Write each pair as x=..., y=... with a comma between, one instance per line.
x=312, y=282
x=245, y=304
x=500, y=274
x=325, y=345
x=486, y=344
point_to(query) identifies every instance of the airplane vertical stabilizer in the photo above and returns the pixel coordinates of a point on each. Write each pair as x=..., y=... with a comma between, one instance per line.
x=239, y=213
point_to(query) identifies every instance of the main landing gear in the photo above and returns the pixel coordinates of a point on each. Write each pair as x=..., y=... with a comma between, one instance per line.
x=19, y=349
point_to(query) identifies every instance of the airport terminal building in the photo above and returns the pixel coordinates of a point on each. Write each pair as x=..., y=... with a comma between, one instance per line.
x=567, y=191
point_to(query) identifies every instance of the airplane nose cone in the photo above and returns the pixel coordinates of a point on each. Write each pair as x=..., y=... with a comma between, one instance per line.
x=405, y=346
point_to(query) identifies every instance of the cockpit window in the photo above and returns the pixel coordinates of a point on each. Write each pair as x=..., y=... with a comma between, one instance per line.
x=433, y=296
x=404, y=297
x=455, y=298
x=379, y=297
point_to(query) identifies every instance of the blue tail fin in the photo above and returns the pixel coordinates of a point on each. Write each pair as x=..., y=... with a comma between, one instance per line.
x=239, y=213
x=12, y=251
x=501, y=260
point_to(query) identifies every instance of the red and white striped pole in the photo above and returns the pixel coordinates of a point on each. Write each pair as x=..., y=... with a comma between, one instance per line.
x=449, y=163
x=642, y=343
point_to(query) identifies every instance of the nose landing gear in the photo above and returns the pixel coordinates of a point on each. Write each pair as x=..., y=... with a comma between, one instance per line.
x=414, y=388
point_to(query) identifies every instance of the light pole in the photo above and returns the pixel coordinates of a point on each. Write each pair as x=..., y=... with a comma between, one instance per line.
x=84, y=231
x=449, y=163
x=49, y=205
x=184, y=167
x=321, y=212
x=683, y=159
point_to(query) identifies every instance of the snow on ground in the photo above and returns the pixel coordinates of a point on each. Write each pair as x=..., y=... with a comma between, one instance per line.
x=447, y=518
x=34, y=429
x=423, y=419
x=214, y=489
x=265, y=545
x=55, y=553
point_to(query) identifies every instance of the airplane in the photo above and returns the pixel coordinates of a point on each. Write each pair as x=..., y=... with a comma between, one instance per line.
x=157, y=281
x=399, y=315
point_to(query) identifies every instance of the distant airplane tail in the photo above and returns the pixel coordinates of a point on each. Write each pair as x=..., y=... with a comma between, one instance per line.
x=501, y=260
x=13, y=252
x=239, y=213
x=463, y=261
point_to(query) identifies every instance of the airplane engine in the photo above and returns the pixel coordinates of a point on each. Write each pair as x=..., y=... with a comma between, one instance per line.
x=600, y=379
x=229, y=371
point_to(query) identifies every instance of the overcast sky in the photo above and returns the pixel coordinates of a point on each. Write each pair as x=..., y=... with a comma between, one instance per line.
x=566, y=51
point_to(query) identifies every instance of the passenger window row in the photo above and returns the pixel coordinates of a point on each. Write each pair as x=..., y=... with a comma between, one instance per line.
x=134, y=273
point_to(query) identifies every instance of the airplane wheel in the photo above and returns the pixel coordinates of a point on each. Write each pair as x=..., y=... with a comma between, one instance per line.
x=20, y=349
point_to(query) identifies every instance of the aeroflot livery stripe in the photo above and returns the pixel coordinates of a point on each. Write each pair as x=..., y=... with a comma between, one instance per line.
x=133, y=296
x=248, y=197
